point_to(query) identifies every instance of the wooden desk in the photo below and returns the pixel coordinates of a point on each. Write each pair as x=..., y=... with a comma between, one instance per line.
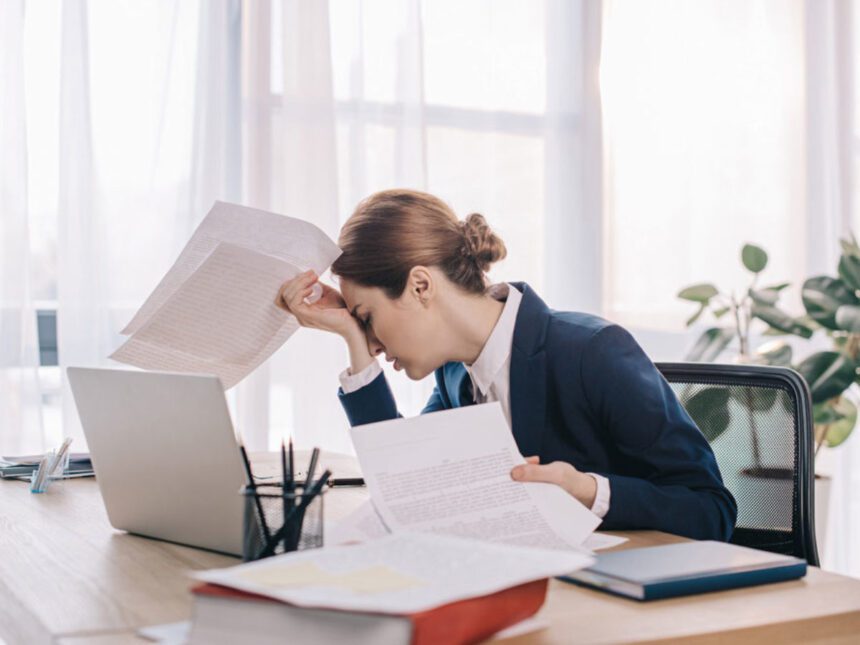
x=67, y=577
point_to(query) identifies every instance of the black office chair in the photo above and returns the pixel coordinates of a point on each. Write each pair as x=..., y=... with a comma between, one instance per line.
x=758, y=420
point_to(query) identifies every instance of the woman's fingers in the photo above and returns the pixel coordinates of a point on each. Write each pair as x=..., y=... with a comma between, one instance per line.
x=554, y=473
x=581, y=485
x=296, y=301
x=331, y=297
x=532, y=460
x=289, y=289
x=328, y=313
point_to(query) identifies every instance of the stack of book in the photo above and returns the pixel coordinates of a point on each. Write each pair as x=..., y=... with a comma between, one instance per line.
x=407, y=588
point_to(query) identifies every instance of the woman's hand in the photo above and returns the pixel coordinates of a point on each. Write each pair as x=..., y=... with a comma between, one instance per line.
x=329, y=313
x=581, y=485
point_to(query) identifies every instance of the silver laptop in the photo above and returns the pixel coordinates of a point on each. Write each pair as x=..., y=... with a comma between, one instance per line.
x=164, y=453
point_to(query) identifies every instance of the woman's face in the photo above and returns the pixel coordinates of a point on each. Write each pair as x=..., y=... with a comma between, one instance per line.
x=403, y=329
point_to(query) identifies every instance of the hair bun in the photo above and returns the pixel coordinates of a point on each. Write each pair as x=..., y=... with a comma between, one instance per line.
x=480, y=244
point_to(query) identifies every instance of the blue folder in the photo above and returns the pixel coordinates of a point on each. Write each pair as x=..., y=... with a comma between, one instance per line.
x=685, y=568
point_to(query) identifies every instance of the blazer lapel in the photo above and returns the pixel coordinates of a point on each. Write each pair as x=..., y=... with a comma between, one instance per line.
x=528, y=382
x=528, y=373
x=528, y=400
x=457, y=384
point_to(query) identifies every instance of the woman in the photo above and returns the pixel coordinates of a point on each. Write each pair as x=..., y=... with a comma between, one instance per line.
x=582, y=398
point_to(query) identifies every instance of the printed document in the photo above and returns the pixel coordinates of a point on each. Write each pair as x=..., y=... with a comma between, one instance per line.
x=450, y=472
x=401, y=573
x=364, y=524
x=214, y=311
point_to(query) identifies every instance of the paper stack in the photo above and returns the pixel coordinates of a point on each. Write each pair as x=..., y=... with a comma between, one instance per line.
x=404, y=588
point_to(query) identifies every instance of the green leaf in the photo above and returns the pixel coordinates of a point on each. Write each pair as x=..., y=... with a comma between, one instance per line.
x=754, y=258
x=849, y=270
x=849, y=246
x=776, y=352
x=848, y=318
x=709, y=408
x=722, y=311
x=780, y=320
x=808, y=321
x=778, y=287
x=696, y=315
x=822, y=296
x=828, y=374
x=710, y=344
x=825, y=413
x=766, y=297
x=698, y=292
x=842, y=428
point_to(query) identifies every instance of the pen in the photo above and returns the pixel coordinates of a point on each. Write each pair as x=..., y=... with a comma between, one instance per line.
x=292, y=469
x=286, y=502
x=346, y=481
x=59, y=458
x=317, y=487
x=336, y=482
x=253, y=488
x=307, y=498
x=294, y=526
x=312, y=466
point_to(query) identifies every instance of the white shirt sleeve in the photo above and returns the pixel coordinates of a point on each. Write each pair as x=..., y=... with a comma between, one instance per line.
x=601, y=499
x=352, y=382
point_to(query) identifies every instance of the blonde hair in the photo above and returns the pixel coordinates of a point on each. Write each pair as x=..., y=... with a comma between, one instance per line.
x=394, y=230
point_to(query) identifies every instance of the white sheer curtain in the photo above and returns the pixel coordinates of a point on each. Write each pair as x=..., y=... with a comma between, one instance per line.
x=126, y=99
x=704, y=135
x=20, y=396
x=132, y=134
x=491, y=105
x=832, y=30
x=725, y=123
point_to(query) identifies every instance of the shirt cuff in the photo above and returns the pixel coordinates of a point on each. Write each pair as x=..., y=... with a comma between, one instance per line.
x=353, y=382
x=601, y=500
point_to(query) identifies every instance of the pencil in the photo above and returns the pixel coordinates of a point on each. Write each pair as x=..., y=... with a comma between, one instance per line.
x=284, y=478
x=253, y=488
x=292, y=469
x=312, y=466
x=291, y=531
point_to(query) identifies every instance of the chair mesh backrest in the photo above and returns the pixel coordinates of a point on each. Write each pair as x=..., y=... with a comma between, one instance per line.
x=753, y=430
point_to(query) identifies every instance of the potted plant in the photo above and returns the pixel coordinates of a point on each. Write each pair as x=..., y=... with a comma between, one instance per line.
x=832, y=307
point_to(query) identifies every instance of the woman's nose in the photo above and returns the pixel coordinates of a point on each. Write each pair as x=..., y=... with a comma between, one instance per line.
x=373, y=344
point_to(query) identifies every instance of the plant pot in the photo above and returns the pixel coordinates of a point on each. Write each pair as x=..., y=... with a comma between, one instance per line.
x=822, y=511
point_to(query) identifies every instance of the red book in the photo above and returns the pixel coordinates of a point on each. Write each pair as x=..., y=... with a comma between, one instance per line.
x=225, y=615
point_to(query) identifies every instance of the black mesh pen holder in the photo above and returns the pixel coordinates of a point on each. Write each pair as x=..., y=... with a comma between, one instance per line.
x=278, y=521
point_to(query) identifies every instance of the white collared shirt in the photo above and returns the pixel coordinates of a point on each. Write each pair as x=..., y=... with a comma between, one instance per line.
x=490, y=374
x=491, y=371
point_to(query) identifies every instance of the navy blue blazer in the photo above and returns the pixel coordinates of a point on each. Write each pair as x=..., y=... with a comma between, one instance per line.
x=584, y=392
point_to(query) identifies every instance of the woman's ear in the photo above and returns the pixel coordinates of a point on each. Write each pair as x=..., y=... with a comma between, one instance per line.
x=421, y=285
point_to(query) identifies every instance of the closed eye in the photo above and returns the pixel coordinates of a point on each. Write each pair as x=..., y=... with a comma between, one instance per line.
x=364, y=322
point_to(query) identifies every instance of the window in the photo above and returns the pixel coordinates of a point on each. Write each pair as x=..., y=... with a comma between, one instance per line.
x=704, y=132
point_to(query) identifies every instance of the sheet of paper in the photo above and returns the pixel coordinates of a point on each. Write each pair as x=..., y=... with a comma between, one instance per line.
x=449, y=472
x=599, y=541
x=361, y=525
x=523, y=627
x=404, y=572
x=364, y=524
x=222, y=320
x=295, y=241
x=169, y=633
